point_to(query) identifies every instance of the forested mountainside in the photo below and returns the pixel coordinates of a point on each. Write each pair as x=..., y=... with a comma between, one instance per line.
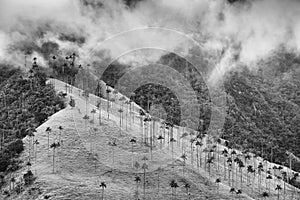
x=26, y=102
x=263, y=104
x=262, y=118
x=264, y=112
x=7, y=71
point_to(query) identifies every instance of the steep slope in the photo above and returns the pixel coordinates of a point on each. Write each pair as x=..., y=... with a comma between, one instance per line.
x=258, y=108
x=84, y=160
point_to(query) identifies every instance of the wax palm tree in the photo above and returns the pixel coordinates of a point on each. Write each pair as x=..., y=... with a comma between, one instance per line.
x=205, y=151
x=218, y=153
x=122, y=100
x=54, y=146
x=113, y=145
x=293, y=179
x=278, y=188
x=126, y=113
x=218, y=181
x=172, y=140
x=164, y=127
x=284, y=178
x=94, y=158
x=274, y=169
x=31, y=138
x=249, y=170
x=120, y=111
x=36, y=143
x=144, y=167
x=241, y=166
x=260, y=170
x=198, y=144
x=86, y=96
x=85, y=117
x=103, y=186
x=99, y=107
x=155, y=121
x=269, y=177
x=144, y=126
x=229, y=162
x=93, y=113
x=132, y=141
x=160, y=138
x=184, y=158
x=187, y=189
x=209, y=162
x=225, y=154
x=107, y=94
x=131, y=113
x=183, y=136
x=234, y=168
x=192, y=142
x=137, y=180
x=173, y=185
x=60, y=128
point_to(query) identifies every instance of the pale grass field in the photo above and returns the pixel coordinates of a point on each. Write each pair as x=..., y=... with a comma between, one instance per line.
x=85, y=159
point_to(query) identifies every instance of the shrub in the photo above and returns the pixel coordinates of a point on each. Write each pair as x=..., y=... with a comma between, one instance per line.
x=4, y=161
x=28, y=178
x=16, y=147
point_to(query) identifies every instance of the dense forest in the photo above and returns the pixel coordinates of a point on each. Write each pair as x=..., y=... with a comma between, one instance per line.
x=26, y=102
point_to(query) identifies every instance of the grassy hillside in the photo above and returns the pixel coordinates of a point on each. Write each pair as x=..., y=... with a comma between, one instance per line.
x=85, y=159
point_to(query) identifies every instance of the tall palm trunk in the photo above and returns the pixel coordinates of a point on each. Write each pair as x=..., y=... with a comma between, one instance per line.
x=132, y=154
x=174, y=192
x=100, y=112
x=241, y=174
x=107, y=105
x=144, y=184
x=197, y=158
x=229, y=179
x=113, y=151
x=29, y=150
x=284, y=188
x=224, y=167
x=191, y=153
x=35, y=153
x=158, y=186
x=53, y=160
x=200, y=158
x=126, y=116
x=137, y=190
